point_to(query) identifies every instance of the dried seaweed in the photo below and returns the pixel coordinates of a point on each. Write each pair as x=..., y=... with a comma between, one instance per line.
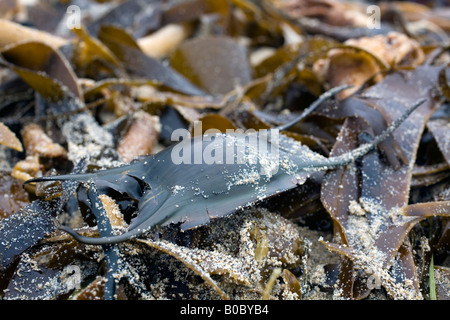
x=141, y=65
x=48, y=72
x=24, y=229
x=9, y=139
x=374, y=181
x=226, y=60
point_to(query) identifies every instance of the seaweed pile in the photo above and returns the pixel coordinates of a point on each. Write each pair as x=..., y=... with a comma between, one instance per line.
x=92, y=85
